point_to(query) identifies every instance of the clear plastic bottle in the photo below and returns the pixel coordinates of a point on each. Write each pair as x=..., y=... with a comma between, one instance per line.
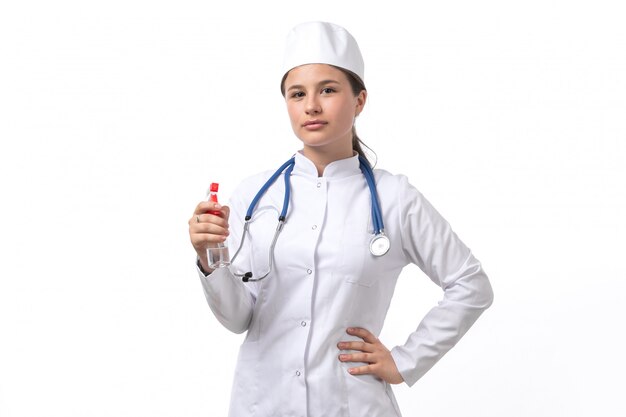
x=218, y=255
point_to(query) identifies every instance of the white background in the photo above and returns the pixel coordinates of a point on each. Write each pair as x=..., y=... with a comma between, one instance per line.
x=115, y=116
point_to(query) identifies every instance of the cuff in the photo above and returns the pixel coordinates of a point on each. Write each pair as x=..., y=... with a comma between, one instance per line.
x=199, y=265
x=405, y=366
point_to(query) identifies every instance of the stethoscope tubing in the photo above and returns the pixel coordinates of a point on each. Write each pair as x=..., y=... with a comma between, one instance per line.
x=377, y=217
x=290, y=163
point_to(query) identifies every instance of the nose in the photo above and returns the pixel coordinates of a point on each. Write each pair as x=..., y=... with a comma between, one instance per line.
x=313, y=105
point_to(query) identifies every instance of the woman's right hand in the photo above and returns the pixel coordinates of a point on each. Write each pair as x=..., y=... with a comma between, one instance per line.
x=207, y=230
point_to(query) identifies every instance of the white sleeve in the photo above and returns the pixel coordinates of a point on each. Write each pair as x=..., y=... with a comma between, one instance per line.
x=230, y=299
x=430, y=243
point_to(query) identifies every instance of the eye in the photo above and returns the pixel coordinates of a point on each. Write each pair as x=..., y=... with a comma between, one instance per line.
x=297, y=94
x=328, y=90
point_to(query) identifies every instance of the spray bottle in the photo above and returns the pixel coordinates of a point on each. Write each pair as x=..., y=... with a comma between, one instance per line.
x=218, y=254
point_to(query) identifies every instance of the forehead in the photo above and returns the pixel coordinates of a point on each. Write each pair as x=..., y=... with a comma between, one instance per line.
x=313, y=74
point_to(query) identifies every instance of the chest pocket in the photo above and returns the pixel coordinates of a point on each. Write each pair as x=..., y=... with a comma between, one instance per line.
x=355, y=253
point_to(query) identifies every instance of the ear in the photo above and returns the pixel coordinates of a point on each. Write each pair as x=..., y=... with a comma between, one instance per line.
x=360, y=102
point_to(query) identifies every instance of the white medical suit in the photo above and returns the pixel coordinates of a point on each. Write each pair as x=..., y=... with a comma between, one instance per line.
x=325, y=280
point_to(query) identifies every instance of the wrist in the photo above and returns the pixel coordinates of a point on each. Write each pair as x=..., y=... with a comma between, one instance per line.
x=206, y=271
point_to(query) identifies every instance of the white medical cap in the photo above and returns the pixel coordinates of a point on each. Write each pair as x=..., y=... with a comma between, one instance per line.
x=323, y=43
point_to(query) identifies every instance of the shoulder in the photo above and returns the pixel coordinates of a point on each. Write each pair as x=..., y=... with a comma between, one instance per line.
x=397, y=185
x=255, y=180
x=247, y=188
x=251, y=184
x=399, y=196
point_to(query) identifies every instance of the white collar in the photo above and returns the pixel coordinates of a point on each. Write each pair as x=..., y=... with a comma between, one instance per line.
x=341, y=168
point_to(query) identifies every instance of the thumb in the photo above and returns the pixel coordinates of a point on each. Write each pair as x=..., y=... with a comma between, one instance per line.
x=225, y=212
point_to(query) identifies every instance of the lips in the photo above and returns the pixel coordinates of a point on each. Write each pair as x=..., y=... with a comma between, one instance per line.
x=314, y=124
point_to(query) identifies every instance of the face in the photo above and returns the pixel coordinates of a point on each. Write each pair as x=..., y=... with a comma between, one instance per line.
x=322, y=108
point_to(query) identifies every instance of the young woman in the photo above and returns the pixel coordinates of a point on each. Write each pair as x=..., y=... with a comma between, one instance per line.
x=319, y=283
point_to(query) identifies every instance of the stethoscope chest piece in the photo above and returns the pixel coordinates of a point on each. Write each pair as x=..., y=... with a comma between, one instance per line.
x=379, y=245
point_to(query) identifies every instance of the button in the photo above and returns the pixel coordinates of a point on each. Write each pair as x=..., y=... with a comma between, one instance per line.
x=303, y=323
x=308, y=271
x=319, y=184
x=298, y=373
x=314, y=227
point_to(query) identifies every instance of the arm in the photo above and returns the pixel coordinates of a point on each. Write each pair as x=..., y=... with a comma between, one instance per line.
x=230, y=300
x=429, y=242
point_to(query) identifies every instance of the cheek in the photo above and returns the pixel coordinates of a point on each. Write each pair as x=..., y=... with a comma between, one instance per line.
x=293, y=114
x=346, y=115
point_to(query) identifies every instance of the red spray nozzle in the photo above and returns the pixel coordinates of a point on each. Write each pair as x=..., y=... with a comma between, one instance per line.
x=213, y=197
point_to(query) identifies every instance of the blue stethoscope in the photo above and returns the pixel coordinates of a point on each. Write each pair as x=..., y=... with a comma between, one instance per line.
x=379, y=245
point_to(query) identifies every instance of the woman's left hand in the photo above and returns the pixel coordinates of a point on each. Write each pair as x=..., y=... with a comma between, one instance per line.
x=374, y=353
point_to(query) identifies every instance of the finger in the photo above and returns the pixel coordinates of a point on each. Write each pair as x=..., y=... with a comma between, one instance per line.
x=362, y=333
x=201, y=241
x=208, y=218
x=356, y=345
x=225, y=212
x=356, y=357
x=362, y=370
x=207, y=232
x=205, y=206
x=210, y=228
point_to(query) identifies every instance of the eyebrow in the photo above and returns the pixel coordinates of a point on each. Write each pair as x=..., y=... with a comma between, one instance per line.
x=323, y=82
